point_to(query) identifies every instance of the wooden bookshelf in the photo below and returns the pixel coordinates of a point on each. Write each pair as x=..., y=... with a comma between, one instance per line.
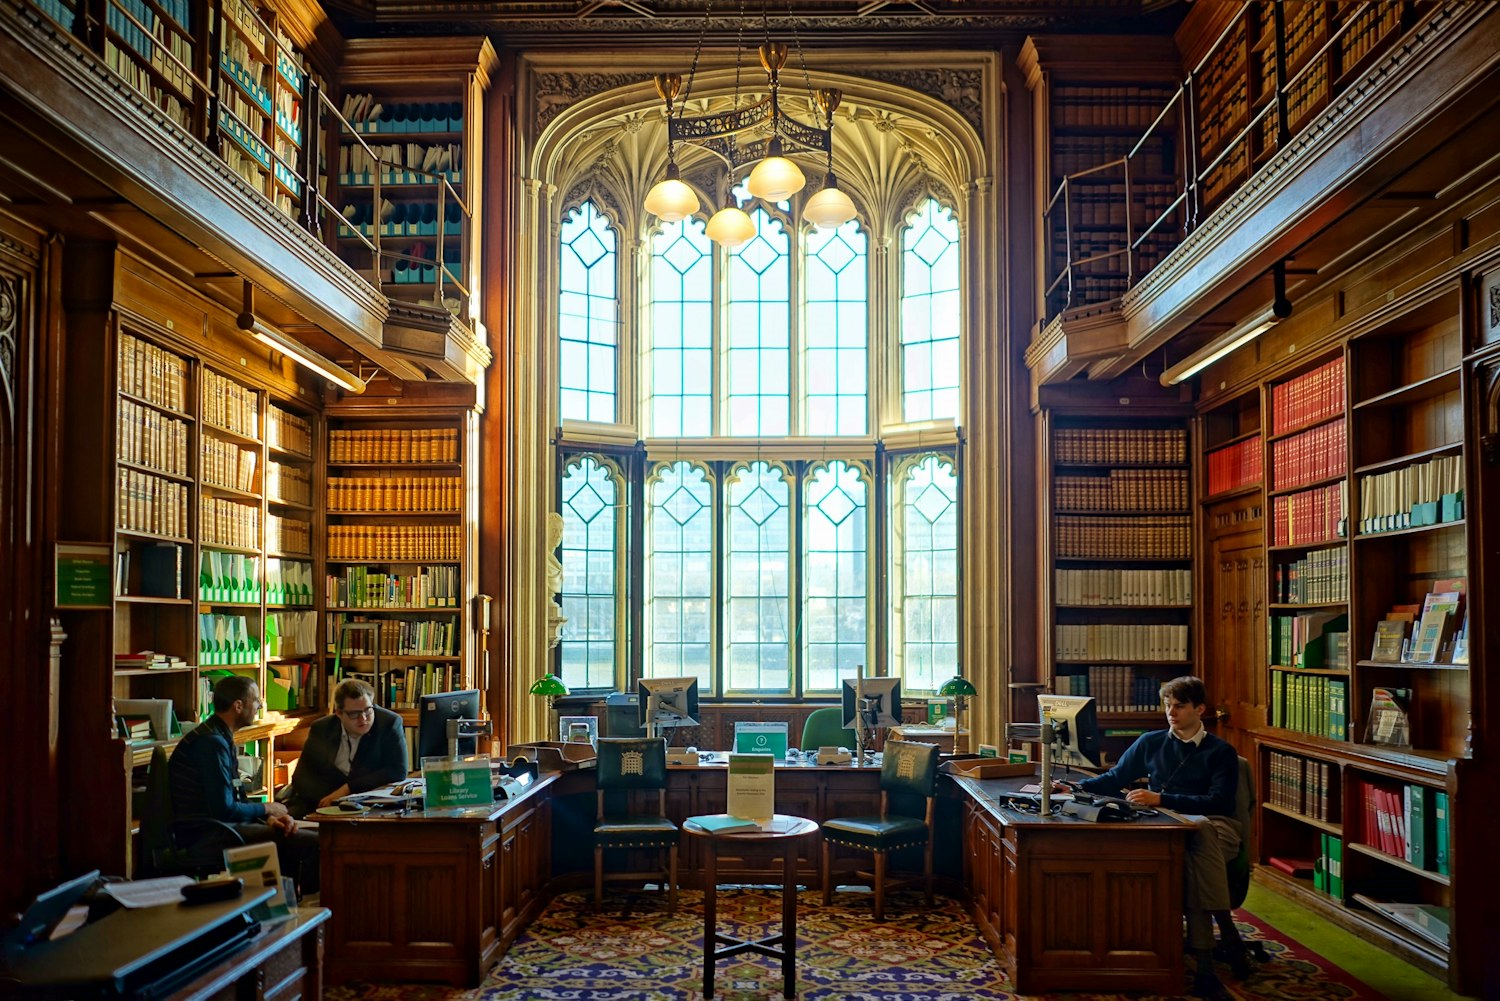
x=401, y=551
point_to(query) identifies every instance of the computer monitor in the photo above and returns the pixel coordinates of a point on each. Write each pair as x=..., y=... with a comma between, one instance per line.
x=1069, y=721
x=665, y=702
x=435, y=711
x=882, y=698
x=47, y=912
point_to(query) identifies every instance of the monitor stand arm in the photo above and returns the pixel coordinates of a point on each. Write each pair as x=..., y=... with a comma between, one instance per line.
x=1052, y=734
x=458, y=728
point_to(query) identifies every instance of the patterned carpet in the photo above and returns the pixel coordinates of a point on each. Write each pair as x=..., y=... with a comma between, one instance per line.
x=644, y=954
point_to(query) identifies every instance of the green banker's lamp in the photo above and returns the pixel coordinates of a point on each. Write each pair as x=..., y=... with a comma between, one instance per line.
x=958, y=688
x=549, y=686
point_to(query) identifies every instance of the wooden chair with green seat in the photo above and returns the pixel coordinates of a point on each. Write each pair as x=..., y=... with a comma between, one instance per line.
x=908, y=773
x=825, y=728
x=1231, y=948
x=625, y=766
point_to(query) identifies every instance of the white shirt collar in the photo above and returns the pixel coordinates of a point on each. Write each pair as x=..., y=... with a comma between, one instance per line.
x=1196, y=738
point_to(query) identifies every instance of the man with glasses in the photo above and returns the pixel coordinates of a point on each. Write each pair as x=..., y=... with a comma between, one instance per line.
x=357, y=748
x=205, y=779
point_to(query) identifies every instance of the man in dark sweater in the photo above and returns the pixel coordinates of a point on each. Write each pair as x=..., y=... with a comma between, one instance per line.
x=358, y=747
x=205, y=783
x=1189, y=771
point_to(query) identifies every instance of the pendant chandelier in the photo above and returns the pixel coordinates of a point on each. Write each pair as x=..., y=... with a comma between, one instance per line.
x=774, y=178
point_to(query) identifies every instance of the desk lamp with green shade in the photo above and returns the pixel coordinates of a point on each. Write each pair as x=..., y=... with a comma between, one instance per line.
x=958, y=688
x=549, y=686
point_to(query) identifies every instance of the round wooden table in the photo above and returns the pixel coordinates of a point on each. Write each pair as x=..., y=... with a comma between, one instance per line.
x=780, y=837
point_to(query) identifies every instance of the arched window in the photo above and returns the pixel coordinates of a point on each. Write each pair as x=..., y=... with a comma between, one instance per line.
x=591, y=592
x=763, y=488
x=587, y=316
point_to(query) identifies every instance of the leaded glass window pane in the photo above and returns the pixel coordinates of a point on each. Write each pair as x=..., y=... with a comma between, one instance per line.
x=757, y=578
x=587, y=316
x=927, y=573
x=590, y=567
x=836, y=575
x=681, y=384
x=835, y=331
x=758, y=361
x=931, y=312
x=678, y=586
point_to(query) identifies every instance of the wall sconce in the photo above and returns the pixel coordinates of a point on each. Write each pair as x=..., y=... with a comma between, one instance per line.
x=1234, y=338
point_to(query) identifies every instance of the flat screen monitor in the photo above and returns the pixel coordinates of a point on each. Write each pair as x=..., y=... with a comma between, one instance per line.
x=1074, y=729
x=432, y=727
x=667, y=702
x=882, y=701
x=47, y=912
x=761, y=738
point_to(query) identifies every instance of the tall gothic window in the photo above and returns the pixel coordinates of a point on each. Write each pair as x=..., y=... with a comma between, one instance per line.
x=772, y=530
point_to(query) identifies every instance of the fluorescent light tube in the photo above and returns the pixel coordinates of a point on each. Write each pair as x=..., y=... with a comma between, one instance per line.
x=301, y=354
x=1221, y=346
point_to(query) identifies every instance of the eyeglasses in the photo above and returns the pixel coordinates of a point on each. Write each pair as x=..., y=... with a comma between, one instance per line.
x=364, y=713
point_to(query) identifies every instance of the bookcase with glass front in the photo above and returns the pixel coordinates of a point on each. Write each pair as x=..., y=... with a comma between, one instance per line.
x=400, y=552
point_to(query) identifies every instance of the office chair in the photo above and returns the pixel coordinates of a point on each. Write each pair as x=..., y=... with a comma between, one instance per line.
x=627, y=765
x=908, y=772
x=1231, y=948
x=825, y=728
x=172, y=847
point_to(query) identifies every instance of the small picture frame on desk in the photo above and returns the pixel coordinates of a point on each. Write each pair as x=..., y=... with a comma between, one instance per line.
x=578, y=730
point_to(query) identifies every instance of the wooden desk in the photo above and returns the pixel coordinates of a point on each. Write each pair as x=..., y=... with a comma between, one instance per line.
x=1072, y=905
x=433, y=897
x=282, y=962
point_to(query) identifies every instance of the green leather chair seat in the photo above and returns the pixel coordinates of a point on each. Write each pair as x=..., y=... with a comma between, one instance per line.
x=874, y=834
x=636, y=831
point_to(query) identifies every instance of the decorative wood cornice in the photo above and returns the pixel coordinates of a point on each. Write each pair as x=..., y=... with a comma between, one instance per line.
x=437, y=342
x=1073, y=340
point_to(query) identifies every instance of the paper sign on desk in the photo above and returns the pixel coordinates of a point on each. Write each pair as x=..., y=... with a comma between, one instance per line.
x=452, y=782
x=752, y=786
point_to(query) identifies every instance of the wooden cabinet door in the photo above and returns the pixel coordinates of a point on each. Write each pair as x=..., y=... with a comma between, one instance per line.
x=1233, y=661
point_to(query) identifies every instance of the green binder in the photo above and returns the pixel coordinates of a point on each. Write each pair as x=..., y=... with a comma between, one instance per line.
x=1440, y=830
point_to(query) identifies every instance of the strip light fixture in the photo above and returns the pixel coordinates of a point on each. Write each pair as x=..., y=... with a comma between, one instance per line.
x=1234, y=338
x=300, y=353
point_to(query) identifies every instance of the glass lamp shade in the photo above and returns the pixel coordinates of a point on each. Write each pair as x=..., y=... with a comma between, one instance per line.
x=549, y=684
x=956, y=685
x=830, y=208
x=671, y=200
x=775, y=179
x=731, y=227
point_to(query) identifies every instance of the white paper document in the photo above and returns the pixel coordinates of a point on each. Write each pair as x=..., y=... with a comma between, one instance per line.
x=148, y=892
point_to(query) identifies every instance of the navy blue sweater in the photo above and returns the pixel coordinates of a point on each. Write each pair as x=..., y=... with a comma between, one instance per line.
x=1198, y=779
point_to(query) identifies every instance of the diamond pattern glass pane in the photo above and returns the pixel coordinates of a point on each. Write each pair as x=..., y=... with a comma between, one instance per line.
x=759, y=331
x=930, y=315
x=757, y=579
x=588, y=316
x=680, y=393
x=836, y=574
x=925, y=571
x=836, y=324
x=678, y=587
x=590, y=573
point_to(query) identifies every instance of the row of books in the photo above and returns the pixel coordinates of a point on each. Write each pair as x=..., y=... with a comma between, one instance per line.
x=1104, y=446
x=1316, y=704
x=1436, y=631
x=1135, y=107
x=1328, y=874
x=150, y=504
x=376, y=494
x=1234, y=466
x=148, y=437
x=1123, y=490
x=396, y=637
x=1310, y=640
x=226, y=639
x=1302, y=785
x=395, y=543
x=1107, y=207
x=291, y=634
x=228, y=577
x=152, y=374
x=393, y=445
x=1318, y=453
x=1159, y=537
x=1409, y=822
x=1113, y=641
x=1310, y=516
x=1117, y=588
x=288, y=483
x=370, y=587
x=1312, y=397
x=1320, y=577
x=370, y=116
x=226, y=464
x=403, y=218
x=148, y=660
x=242, y=17
x=289, y=432
x=401, y=163
x=288, y=582
x=288, y=535
x=294, y=685
x=1116, y=688
x=226, y=522
x=1427, y=493
x=229, y=405
x=1372, y=23
x=403, y=687
x=150, y=570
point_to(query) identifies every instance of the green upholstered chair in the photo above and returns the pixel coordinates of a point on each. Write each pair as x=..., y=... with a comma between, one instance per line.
x=908, y=774
x=825, y=728
x=627, y=766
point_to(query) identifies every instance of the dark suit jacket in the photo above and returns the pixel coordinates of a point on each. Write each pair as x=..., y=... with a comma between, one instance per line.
x=381, y=759
x=205, y=777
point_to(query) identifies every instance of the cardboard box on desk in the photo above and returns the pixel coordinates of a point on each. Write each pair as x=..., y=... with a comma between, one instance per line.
x=987, y=768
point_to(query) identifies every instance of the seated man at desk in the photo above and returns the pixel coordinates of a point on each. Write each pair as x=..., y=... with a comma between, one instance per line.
x=357, y=748
x=205, y=783
x=1189, y=771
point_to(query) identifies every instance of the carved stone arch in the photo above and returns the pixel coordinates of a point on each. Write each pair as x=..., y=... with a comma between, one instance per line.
x=918, y=196
x=604, y=197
